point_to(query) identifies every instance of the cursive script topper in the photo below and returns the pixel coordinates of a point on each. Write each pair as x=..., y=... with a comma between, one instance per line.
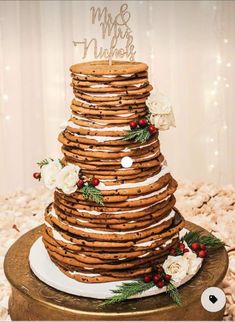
x=116, y=30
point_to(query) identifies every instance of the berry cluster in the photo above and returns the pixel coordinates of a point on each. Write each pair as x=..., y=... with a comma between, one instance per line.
x=94, y=182
x=142, y=123
x=159, y=277
x=199, y=249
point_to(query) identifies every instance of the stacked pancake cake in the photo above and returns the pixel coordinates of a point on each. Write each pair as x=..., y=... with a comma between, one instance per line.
x=137, y=224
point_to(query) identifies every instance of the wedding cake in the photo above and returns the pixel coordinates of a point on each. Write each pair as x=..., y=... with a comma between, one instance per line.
x=113, y=215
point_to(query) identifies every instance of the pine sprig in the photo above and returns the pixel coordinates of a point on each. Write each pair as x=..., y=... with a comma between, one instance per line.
x=209, y=241
x=126, y=290
x=173, y=293
x=43, y=162
x=92, y=193
x=138, y=135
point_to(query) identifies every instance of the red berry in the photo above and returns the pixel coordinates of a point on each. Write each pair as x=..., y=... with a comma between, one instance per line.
x=157, y=278
x=172, y=251
x=142, y=122
x=181, y=246
x=202, y=253
x=133, y=124
x=195, y=246
x=95, y=182
x=147, y=278
x=167, y=277
x=152, y=128
x=80, y=183
x=37, y=175
x=186, y=250
x=160, y=284
x=203, y=247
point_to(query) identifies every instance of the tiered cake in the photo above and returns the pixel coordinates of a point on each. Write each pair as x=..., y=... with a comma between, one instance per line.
x=137, y=223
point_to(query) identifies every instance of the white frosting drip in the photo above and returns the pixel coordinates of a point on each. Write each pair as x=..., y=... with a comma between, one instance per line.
x=90, y=230
x=148, y=181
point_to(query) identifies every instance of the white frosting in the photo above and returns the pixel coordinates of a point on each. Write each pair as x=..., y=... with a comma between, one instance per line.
x=99, y=138
x=90, y=230
x=155, y=193
x=97, y=213
x=104, y=129
x=150, y=242
x=148, y=181
x=83, y=274
x=56, y=235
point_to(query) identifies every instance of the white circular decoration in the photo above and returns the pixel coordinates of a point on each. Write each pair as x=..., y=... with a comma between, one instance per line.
x=126, y=162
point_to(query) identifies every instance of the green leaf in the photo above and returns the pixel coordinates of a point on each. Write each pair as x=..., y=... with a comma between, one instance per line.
x=43, y=162
x=173, y=293
x=138, y=135
x=92, y=193
x=209, y=240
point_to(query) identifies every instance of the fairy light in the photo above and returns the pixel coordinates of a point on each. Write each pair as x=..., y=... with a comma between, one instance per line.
x=152, y=56
x=215, y=103
x=7, y=67
x=227, y=85
x=228, y=65
x=219, y=60
x=148, y=33
x=211, y=166
x=212, y=140
x=215, y=83
x=225, y=41
x=216, y=153
x=219, y=78
x=225, y=127
x=5, y=97
x=7, y=117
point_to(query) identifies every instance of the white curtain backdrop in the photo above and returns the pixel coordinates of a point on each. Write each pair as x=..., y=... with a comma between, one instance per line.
x=190, y=49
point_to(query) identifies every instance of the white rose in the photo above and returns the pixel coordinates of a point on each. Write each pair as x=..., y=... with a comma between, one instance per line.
x=162, y=115
x=176, y=266
x=194, y=262
x=49, y=173
x=67, y=179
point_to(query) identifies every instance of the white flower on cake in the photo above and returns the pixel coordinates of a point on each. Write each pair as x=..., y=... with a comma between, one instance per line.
x=194, y=262
x=49, y=173
x=176, y=266
x=67, y=179
x=160, y=107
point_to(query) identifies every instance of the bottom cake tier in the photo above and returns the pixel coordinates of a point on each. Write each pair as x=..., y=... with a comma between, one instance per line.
x=92, y=256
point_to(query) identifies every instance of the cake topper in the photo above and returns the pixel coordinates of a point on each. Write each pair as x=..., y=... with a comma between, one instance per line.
x=115, y=29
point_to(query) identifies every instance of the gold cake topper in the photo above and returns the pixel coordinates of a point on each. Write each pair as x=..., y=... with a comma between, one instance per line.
x=115, y=29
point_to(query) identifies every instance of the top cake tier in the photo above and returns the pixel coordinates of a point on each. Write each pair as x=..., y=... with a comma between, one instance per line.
x=102, y=67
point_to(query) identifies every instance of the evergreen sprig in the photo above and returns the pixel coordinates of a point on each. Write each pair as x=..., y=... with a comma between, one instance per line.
x=138, y=135
x=173, y=293
x=92, y=193
x=43, y=162
x=126, y=290
x=209, y=240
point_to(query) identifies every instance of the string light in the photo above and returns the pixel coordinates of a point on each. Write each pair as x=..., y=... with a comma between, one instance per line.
x=228, y=65
x=148, y=33
x=225, y=127
x=212, y=140
x=225, y=41
x=152, y=56
x=216, y=152
x=5, y=97
x=216, y=103
x=7, y=117
x=211, y=166
x=219, y=61
x=7, y=67
x=218, y=78
x=227, y=85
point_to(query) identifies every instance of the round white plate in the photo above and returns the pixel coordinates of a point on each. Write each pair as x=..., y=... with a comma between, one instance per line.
x=49, y=273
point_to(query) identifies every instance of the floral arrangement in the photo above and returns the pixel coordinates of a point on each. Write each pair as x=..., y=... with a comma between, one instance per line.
x=66, y=178
x=160, y=117
x=183, y=260
x=161, y=112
